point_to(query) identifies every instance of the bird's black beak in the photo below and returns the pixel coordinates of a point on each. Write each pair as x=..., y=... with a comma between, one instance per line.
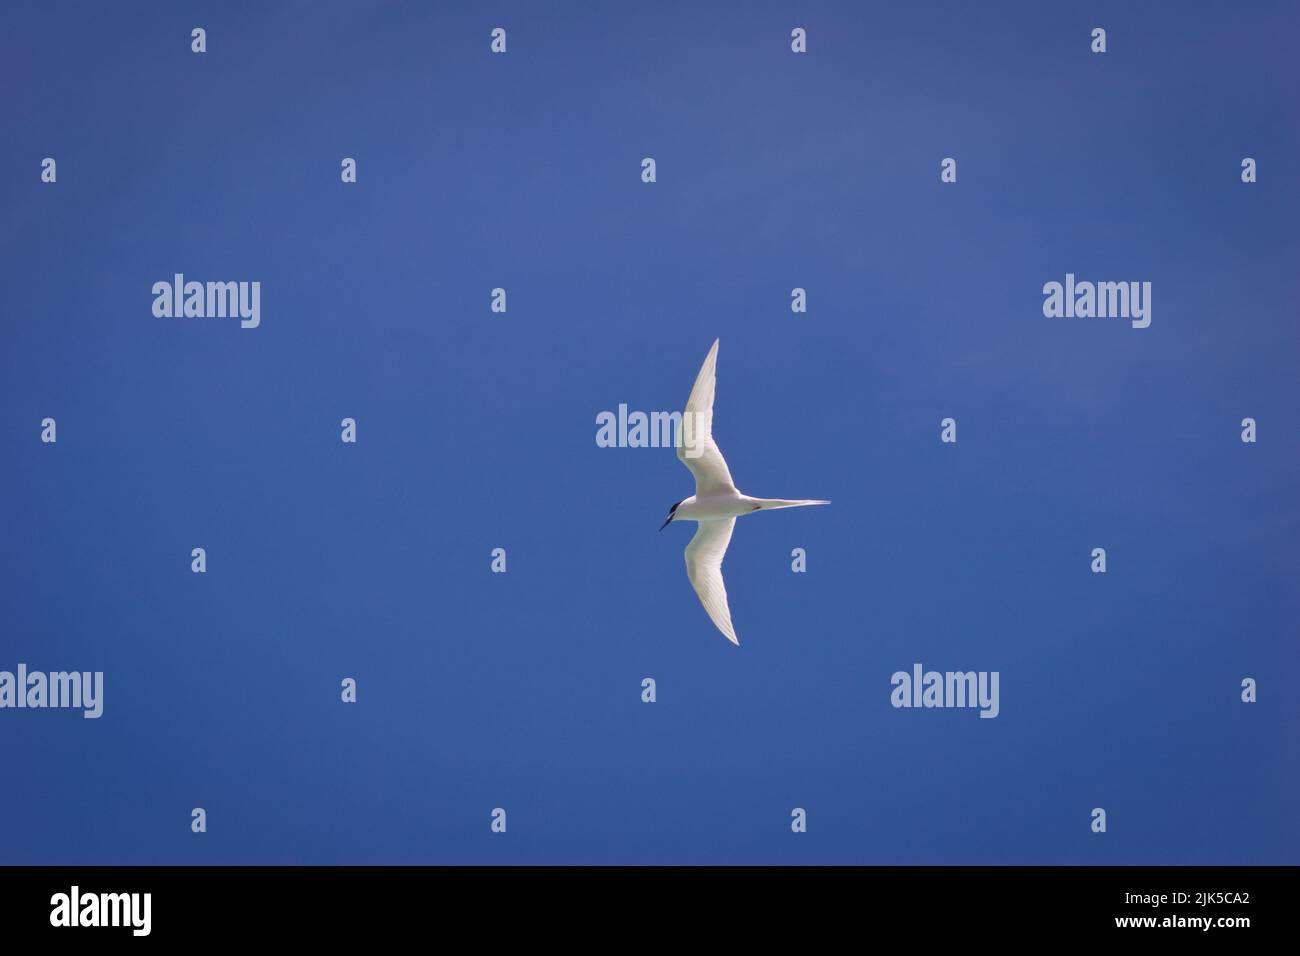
x=666, y=523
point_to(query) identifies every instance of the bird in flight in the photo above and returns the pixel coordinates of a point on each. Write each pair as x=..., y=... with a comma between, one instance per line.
x=717, y=503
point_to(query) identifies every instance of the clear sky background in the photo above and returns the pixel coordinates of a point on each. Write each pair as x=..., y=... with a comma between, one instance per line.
x=476, y=430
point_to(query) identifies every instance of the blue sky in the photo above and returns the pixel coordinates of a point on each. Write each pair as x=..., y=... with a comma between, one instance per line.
x=476, y=430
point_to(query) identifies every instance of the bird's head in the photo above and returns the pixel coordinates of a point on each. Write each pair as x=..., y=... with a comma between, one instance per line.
x=671, y=512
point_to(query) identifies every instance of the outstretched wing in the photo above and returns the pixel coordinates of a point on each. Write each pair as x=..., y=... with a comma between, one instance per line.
x=697, y=449
x=704, y=568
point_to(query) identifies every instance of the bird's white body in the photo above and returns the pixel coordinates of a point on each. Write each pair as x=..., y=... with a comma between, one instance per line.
x=717, y=502
x=715, y=507
x=718, y=507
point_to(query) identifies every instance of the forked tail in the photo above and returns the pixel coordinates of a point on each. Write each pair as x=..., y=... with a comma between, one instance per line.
x=766, y=504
